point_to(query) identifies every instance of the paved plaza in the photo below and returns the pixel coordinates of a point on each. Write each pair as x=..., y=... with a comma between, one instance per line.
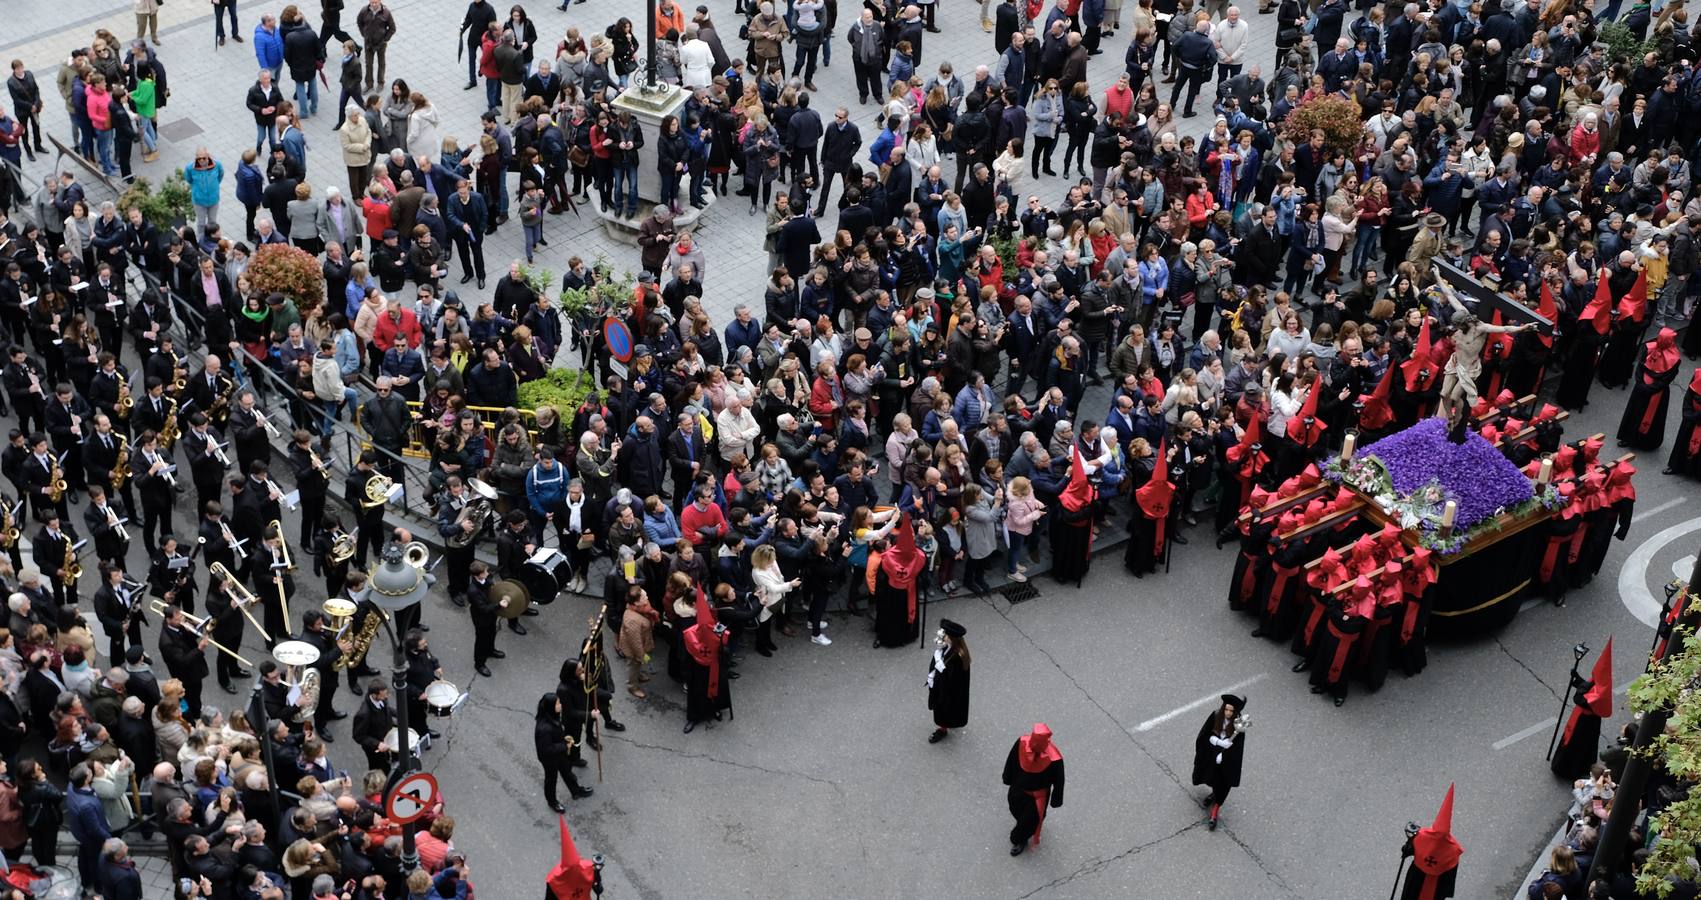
x=823, y=785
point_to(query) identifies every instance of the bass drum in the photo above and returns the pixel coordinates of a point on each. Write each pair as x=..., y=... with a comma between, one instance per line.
x=563, y=572
x=540, y=582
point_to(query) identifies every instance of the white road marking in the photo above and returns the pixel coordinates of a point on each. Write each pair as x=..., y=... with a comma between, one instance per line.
x=1150, y=724
x=1656, y=510
x=1681, y=569
x=1542, y=726
x=1633, y=575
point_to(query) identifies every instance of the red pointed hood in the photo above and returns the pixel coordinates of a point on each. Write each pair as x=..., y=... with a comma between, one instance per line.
x=1079, y=493
x=705, y=611
x=572, y=877
x=1662, y=352
x=1634, y=306
x=1599, y=310
x=1619, y=486
x=1311, y=427
x=1548, y=310
x=1598, y=698
x=1154, y=496
x=1250, y=438
x=1420, y=371
x=1436, y=851
x=1376, y=413
x=902, y=562
x=1035, y=750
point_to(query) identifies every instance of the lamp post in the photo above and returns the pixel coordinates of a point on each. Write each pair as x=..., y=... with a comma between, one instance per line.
x=394, y=586
x=649, y=46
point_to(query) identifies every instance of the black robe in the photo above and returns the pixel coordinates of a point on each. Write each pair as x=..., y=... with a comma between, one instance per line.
x=1618, y=359
x=1072, y=544
x=1651, y=392
x=948, y=689
x=1579, y=374
x=1416, y=880
x=1207, y=770
x=1024, y=805
x=699, y=706
x=1249, y=567
x=1280, y=596
x=1683, y=461
x=1580, y=750
x=892, y=624
x=1331, y=650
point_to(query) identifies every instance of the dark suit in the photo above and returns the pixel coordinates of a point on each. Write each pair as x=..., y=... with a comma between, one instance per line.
x=186, y=661
x=371, y=724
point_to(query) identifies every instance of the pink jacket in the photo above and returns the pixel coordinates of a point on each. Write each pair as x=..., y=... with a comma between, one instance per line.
x=100, y=108
x=1021, y=513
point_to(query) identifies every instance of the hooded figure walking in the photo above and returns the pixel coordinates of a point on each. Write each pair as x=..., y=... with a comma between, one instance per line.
x=1217, y=752
x=1034, y=772
x=948, y=680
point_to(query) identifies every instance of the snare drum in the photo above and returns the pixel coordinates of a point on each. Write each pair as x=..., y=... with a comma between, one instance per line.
x=392, y=740
x=441, y=698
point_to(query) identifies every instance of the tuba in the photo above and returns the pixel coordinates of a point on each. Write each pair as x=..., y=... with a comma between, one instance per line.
x=416, y=554
x=121, y=467
x=377, y=491
x=476, y=512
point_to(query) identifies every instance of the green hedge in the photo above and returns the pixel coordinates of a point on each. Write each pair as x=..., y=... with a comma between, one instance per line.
x=563, y=389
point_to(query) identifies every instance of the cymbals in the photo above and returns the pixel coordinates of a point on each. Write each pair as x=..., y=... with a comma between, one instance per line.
x=515, y=593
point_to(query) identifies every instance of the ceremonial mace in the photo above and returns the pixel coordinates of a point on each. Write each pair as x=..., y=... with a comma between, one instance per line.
x=1577, y=652
x=1406, y=853
x=1662, y=629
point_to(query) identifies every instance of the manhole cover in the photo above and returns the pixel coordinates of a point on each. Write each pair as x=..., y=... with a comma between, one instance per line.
x=179, y=130
x=1019, y=591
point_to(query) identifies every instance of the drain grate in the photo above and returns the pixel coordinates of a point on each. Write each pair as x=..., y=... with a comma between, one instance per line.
x=179, y=130
x=1019, y=592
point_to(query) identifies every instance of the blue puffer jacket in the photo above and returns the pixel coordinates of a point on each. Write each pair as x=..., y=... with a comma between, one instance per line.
x=268, y=47
x=546, y=490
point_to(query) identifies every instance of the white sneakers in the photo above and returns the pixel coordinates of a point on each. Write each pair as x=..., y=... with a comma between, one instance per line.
x=821, y=639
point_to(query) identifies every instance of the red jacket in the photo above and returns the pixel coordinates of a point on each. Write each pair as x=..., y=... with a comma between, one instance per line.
x=487, y=58
x=384, y=335
x=692, y=522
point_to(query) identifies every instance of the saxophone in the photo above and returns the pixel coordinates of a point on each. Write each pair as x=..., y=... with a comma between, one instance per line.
x=71, y=570
x=362, y=640
x=168, y=432
x=121, y=467
x=125, y=401
x=9, y=533
x=56, y=482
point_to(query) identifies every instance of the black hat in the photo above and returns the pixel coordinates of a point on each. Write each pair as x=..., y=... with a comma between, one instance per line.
x=1239, y=703
x=952, y=628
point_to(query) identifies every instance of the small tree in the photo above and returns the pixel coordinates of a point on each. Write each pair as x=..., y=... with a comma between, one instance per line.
x=1671, y=683
x=1622, y=44
x=1337, y=117
x=167, y=207
x=290, y=271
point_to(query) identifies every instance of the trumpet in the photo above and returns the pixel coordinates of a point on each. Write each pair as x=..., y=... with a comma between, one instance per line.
x=200, y=627
x=266, y=423
x=318, y=464
x=377, y=491
x=217, y=450
x=117, y=525
x=235, y=545
x=121, y=466
x=243, y=598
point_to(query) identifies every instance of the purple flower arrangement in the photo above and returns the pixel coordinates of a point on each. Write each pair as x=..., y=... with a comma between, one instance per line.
x=1413, y=473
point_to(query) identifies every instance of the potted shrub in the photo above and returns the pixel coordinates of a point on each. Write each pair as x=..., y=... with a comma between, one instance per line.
x=1336, y=117
x=166, y=207
x=290, y=271
x=562, y=388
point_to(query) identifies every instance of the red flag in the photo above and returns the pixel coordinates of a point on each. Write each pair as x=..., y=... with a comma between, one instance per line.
x=1597, y=700
x=1420, y=371
x=572, y=877
x=1599, y=311
x=1435, y=851
x=1311, y=427
x=1548, y=310
x=1634, y=306
x=1376, y=413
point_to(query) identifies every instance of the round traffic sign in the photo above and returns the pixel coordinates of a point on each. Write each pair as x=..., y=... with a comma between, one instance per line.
x=411, y=797
x=618, y=338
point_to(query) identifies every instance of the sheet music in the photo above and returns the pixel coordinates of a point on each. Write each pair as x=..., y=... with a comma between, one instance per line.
x=542, y=556
x=291, y=500
x=80, y=286
x=395, y=493
x=177, y=562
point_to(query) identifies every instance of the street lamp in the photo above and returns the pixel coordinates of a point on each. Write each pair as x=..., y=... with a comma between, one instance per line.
x=394, y=586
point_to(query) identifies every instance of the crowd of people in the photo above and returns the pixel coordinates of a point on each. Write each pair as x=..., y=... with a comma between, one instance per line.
x=918, y=406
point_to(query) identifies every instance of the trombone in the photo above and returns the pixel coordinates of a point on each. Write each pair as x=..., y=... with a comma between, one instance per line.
x=280, y=569
x=201, y=627
x=244, y=597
